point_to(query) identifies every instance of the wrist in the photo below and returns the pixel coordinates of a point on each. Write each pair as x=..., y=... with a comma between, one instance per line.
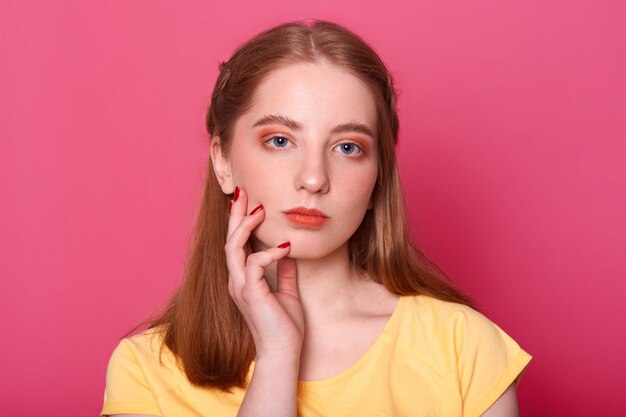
x=282, y=355
x=283, y=365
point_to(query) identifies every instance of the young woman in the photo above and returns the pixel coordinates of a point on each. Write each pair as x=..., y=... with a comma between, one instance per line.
x=303, y=294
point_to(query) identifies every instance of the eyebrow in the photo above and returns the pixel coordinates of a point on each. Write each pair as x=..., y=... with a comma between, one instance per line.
x=269, y=119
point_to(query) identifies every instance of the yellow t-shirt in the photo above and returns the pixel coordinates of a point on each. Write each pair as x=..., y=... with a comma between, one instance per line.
x=433, y=358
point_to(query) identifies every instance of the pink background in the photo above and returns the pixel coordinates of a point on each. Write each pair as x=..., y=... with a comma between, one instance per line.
x=512, y=152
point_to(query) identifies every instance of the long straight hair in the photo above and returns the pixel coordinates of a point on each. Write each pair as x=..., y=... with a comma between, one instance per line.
x=201, y=324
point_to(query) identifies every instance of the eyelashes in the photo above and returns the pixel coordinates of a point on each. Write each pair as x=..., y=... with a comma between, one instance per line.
x=348, y=148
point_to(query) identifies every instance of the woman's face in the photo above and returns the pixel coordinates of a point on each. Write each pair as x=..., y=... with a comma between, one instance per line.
x=309, y=141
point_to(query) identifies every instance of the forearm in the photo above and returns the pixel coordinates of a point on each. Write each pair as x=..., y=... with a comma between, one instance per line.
x=272, y=390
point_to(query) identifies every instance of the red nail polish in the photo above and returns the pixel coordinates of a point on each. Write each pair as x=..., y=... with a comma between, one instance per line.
x=236, y=194
x=284, y=245
x=256, y=209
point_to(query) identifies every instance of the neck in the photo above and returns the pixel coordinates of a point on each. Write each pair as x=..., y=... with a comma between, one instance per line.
x=326, y=285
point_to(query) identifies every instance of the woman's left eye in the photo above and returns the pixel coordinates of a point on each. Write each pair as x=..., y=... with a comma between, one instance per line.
x=349, y=148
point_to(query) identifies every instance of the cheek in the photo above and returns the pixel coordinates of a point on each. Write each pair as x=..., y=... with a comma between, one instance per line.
x=249, y=173
x=361, y=186
x=262, y=185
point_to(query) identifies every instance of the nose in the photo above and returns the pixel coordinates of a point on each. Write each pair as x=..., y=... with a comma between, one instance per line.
x=312, y=174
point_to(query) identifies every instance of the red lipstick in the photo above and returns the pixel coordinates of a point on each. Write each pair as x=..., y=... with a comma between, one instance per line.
x=306, y=218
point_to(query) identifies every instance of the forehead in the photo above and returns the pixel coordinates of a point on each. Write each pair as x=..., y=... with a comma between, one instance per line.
x=315, y=94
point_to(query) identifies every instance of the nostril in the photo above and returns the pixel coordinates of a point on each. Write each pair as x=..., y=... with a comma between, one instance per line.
x=313, y=174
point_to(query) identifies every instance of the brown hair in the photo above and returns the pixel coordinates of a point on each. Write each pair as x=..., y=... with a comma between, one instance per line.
x=202, y=325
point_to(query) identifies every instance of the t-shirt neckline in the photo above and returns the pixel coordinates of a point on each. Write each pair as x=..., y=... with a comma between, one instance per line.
x=379, y=343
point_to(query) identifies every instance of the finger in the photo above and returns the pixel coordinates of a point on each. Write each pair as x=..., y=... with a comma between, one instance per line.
x=257, y=262
x=286, y=277
x=237, y=209
x=236, y=256
x=242, y=232
x=237, y=245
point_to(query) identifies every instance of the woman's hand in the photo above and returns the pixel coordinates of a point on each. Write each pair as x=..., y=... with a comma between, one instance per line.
x=275, y=319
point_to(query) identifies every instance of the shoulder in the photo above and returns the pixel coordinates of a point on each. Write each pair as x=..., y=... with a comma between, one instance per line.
x=140, y=369
x=133, y=375
x=144, y=346
x=142, y=357
x=435, y=308
x=451, y=332
x=428, y=318
x=459, y=342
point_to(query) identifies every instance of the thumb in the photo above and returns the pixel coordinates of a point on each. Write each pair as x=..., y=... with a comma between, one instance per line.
x=286, y=276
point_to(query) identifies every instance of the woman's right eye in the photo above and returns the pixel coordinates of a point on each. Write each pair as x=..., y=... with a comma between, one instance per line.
x=277, y=142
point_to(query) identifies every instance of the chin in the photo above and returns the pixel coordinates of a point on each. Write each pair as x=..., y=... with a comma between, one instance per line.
x=302, y=247
x=306, y=254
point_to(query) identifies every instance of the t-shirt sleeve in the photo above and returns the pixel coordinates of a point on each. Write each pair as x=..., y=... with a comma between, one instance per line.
x=127, y=390
x=488, y=361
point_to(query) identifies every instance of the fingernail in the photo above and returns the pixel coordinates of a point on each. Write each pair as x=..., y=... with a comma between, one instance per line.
x=256, y=209
x=236, y=194
x=230, y=204
x=284, y=245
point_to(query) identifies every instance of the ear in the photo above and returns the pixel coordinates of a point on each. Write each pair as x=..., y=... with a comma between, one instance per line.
x=221, y=166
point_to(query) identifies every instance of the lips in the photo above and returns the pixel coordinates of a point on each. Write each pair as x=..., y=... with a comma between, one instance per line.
x=307, y=218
